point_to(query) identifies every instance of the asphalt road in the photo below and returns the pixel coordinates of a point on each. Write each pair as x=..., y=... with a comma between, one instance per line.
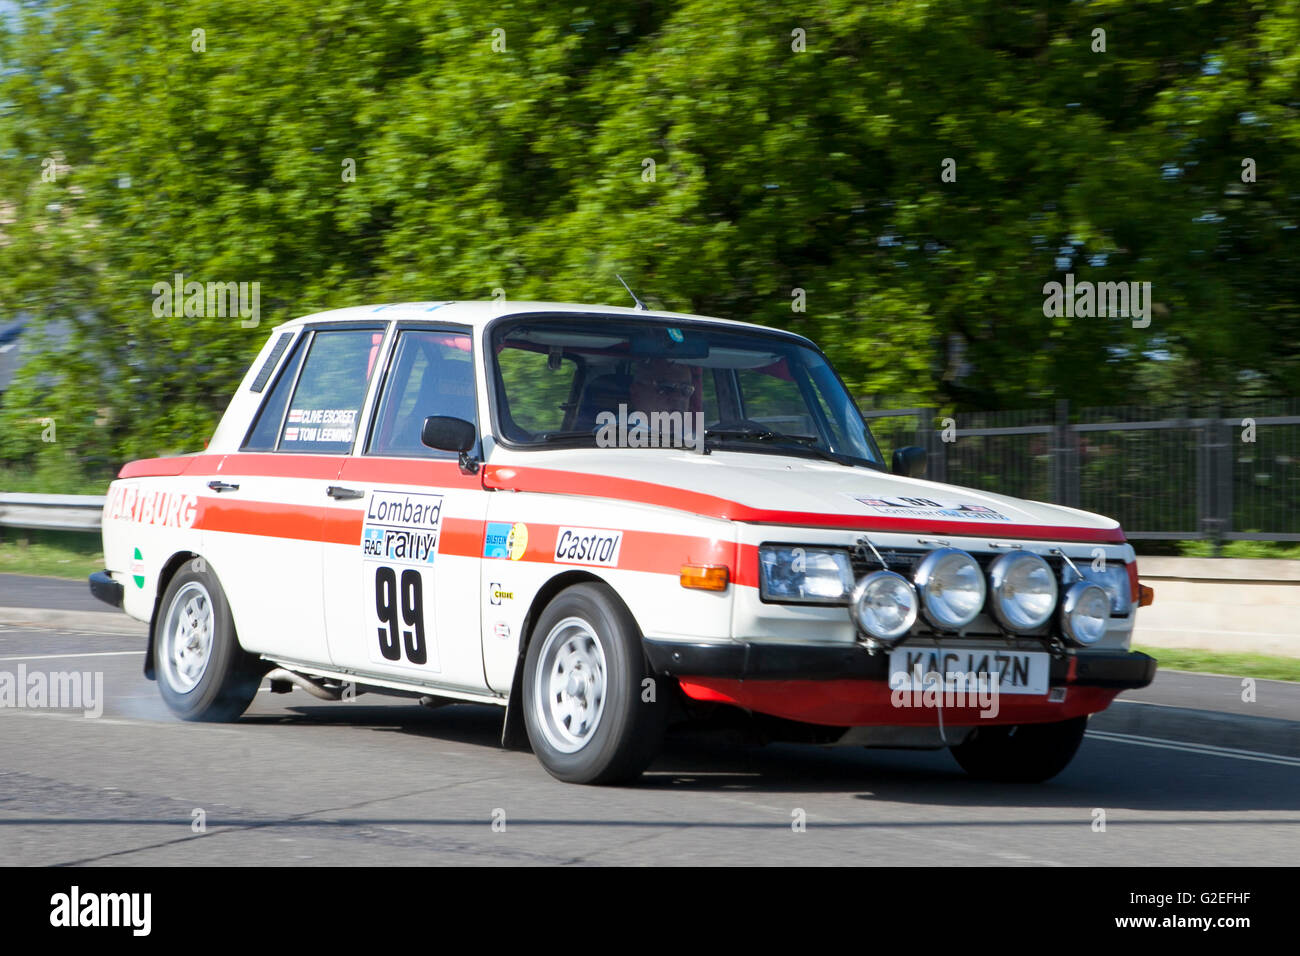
x=377, y=781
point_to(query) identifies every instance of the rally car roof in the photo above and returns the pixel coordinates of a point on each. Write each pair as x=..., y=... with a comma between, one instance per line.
x=478, y=313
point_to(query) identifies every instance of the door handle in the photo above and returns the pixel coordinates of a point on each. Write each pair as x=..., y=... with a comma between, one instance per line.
x=343, y=494
x=220, y=486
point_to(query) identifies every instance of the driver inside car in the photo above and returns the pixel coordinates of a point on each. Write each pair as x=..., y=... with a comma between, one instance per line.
x=660, y=386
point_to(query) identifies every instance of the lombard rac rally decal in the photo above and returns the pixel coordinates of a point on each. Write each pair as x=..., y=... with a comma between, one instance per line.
x=401, y=526
x=504, y=540
x=399, y=538
x=909, y=507
x=588, y=546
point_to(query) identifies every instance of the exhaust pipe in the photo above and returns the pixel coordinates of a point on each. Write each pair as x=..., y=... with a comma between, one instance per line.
x=280, y=675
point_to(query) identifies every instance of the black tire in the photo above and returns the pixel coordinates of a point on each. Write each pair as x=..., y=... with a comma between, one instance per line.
x=228, y=679
x=608, y=744
x=1021, y=753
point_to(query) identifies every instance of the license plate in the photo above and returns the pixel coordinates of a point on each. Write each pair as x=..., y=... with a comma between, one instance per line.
x=1018, y=672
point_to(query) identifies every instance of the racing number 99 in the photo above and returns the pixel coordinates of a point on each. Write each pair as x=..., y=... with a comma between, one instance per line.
x=408, y=600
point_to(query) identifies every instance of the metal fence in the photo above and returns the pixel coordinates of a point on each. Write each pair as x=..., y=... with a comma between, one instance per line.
x=1178, y=474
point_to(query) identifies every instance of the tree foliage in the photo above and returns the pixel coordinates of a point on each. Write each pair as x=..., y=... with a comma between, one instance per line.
x=511, y=147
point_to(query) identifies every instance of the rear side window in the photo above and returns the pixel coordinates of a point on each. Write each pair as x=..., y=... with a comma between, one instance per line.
x=267, y=427
x=326, y=394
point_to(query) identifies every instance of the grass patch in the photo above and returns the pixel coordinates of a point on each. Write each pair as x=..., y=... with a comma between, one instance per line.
x=1241, y=549
x=1262, y=666
x=52, y=554
x=1204, y=549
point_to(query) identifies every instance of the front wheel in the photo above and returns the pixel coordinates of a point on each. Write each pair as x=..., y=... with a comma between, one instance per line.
x=203, y=673
x=590, y=705
x=1021, y=753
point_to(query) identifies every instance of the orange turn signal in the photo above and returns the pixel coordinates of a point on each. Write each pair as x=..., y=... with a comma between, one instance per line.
x=705, y=577
x=1148, y=595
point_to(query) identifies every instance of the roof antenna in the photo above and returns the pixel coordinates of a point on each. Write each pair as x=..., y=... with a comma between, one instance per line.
x=639, y=304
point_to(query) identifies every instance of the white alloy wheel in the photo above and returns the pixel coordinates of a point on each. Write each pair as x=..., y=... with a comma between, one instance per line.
x=569, y=692
x=187, y=633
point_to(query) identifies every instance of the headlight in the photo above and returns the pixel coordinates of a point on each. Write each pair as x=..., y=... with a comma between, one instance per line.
x=1024, y=591
x=1113, y=579
x=884, y=606
x=798, y=575
x=952, y=588
x=1084, y=613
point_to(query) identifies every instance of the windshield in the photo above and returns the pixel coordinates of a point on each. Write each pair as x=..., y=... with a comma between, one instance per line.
x=631, y=383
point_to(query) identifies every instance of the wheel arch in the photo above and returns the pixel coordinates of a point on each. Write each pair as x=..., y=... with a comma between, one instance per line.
x=513, y=734
x=165, y=575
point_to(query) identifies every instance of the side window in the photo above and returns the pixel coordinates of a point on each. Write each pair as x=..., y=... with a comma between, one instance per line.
x=432, y=373
x=323, y=412
x=266, y=429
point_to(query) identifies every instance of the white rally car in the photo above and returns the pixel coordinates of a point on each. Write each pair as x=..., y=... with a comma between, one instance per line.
x=605, y=521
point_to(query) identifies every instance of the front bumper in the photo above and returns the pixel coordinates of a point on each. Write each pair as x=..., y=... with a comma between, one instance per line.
x=845, y=685
x=749, y=660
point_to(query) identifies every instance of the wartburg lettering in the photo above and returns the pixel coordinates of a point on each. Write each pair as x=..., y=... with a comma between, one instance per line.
x=588, y=546
x=440, y=545
x=170, y=509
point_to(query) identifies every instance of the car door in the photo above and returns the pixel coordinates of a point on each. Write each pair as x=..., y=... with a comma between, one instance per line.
x=402, y=596
x=265, y=517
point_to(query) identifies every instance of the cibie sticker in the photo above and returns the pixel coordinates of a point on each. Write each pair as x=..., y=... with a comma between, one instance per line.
x=401, y=526
x=504, y=540
x=910, y=507
x=588, y=546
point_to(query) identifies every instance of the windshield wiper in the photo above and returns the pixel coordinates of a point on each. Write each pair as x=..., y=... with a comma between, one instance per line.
x=562, y=436
x=807, y=443
x=758, y=434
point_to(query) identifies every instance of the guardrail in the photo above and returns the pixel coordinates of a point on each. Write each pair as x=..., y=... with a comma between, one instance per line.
x=51, y=512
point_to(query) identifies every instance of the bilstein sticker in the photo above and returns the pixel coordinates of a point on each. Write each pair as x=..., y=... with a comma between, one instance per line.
x=588, y=546
x=503, y=540
x=495, y=537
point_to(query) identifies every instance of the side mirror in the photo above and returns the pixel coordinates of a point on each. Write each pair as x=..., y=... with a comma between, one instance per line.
x=451, y=434
x=910, y=461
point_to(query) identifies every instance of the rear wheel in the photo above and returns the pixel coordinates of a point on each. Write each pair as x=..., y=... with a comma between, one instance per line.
x=1021, y=753
x=203, y=673
x=591, y=717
